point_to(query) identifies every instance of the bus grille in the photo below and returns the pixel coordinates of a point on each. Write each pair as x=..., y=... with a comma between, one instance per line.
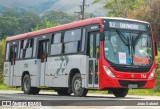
x=130, y=69
x=125, y=83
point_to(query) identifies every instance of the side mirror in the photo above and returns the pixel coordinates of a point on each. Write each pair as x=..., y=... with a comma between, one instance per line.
x=155, y=46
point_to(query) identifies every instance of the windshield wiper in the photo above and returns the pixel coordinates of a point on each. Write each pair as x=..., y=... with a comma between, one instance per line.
x=122, y=37
x=137, y=39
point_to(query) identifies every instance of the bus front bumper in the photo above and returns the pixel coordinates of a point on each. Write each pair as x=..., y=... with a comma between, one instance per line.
x=126, y=83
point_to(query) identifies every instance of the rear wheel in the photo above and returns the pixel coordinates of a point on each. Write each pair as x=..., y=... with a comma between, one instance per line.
x=63, y=91
x=77, y=88
x=26, y=86
x=120, y=92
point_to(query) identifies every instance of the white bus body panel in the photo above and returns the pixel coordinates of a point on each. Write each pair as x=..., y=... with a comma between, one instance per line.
x=55, y=72
x=6, y=73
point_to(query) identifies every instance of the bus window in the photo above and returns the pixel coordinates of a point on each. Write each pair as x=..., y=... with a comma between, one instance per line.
x=7, y=52
x=13, y=54
x=21, y=49
x=97, y=45
x=91, y=46
x=83, y=39
x=34, y=48
x=72, y=41
x=56, y=44
x=26, y=48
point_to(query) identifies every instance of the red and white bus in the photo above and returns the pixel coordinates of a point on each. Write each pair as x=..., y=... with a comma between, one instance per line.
x=113, y=54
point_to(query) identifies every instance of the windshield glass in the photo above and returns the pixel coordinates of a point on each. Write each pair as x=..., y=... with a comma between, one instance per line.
x=128, y=48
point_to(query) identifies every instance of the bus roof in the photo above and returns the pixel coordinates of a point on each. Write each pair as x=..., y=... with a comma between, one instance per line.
x=65, y=26
x=120, y=18
x=56, y=28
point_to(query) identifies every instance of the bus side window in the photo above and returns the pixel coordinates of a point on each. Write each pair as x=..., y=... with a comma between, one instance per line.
x=56, y=44
x=7, y=52
x=21, y=48
x=83, y=39
x=26, y=47
x=97, y=45
x=91, y=46
x=29, y=48
x=13, y=54
x=34, y=47
x=72, y=41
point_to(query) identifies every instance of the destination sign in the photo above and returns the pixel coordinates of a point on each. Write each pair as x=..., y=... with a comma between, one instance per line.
x=129, y=25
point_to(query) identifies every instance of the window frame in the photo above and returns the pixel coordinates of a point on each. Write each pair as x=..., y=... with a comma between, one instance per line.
x=81, y=35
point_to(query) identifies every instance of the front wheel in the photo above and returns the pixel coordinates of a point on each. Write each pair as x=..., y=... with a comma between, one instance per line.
x=120, y=92
x=77, y=88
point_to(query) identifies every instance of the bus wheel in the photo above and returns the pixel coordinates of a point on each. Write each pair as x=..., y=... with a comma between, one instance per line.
x=77, y=88
x=120, y=92
x=63, y=92
x=26, y=86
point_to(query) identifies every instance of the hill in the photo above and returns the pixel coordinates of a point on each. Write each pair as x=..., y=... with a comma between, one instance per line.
x=41, y=6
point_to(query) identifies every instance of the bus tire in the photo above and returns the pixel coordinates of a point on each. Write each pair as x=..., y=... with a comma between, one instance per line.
x=120, y=92
x=77, y=88
x=26, y=86
x=63, y=91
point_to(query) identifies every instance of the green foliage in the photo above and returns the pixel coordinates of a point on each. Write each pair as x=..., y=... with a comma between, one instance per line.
x=120, y=8
x=14, y=22
x=8, y=26
x=45, y=24
x=2, y=51
x=58, y=17
x=5, y=87
x=157, y=88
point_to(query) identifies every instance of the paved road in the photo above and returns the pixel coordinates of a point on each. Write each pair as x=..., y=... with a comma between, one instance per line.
x=91, y=100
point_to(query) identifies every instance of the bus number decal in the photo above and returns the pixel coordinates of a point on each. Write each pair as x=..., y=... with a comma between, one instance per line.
x=112, y=24
x=143, y=76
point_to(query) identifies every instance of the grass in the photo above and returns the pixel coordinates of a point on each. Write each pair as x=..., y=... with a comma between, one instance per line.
x=145, y=92
x=5, y=87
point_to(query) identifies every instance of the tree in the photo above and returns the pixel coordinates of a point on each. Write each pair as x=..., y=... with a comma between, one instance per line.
x=120, y=8
x=149, y=12
x=58, y=17
x=45, y=24
x=13, y=21
x=2, y=51
x=8, y=26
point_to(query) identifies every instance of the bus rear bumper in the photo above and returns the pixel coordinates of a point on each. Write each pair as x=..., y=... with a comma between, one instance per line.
x=127, y=83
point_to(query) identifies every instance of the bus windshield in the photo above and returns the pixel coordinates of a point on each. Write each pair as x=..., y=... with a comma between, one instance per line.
x=128, y=48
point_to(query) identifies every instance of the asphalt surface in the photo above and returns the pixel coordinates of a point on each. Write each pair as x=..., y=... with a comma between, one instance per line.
x=97, y=101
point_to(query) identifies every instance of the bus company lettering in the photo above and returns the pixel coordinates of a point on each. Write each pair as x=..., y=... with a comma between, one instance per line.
x=57, y=64
x=129, y=26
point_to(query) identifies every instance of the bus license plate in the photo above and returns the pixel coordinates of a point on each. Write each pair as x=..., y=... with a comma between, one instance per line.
x=132, y=86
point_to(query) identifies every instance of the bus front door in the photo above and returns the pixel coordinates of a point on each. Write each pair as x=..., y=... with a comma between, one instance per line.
x=42, y=55
x=93, y=51
x=12, y=59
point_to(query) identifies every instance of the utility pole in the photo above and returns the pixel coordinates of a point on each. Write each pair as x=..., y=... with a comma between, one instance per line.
x=82, y=9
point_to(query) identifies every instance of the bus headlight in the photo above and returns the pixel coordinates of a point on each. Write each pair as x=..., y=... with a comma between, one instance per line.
x=152, y=74
x=108, y=72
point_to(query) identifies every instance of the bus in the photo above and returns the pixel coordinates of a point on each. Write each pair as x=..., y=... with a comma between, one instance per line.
x=114, y=54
